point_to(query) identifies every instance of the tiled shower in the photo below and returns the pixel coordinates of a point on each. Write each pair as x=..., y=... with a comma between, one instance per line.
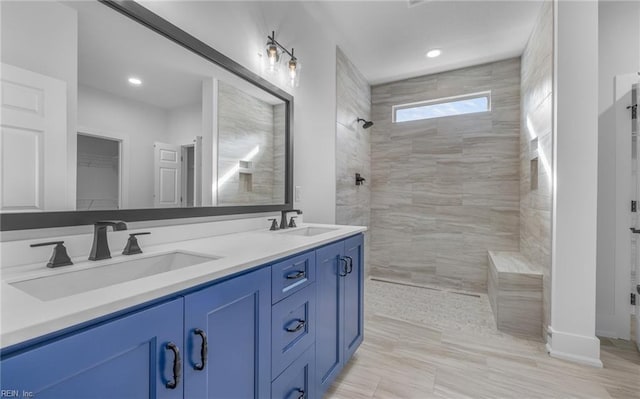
x=442, y=192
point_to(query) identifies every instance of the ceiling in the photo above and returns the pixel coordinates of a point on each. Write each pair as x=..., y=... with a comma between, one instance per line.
x=112, y=48
x=388, y=40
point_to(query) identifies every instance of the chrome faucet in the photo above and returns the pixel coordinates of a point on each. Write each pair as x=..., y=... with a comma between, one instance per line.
x=100, y=248
x=283, y=220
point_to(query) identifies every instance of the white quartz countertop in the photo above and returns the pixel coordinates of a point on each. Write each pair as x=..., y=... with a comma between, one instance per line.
x=25, y=317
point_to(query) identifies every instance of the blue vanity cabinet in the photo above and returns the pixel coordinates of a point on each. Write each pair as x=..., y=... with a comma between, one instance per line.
x=281, y=331
x=339, y=310
x=233, y=319
x=353, y=296
x=124, y=358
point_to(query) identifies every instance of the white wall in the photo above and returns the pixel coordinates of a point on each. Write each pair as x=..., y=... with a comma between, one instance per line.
x=48, y=35
x=573, y=282
x=239, y=30
x=139, y=124
x=184, y=124
x=619, y=53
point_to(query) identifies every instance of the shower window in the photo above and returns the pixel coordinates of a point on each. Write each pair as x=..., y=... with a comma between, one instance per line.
x=441, y=107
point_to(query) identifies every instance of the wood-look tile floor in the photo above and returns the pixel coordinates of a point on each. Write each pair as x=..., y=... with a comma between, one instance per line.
x=402, y=358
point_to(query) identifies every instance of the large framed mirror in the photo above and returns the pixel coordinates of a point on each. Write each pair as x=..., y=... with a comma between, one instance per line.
x=111, y=112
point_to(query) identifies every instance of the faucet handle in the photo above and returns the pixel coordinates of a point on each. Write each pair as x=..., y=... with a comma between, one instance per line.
x=274, y=224
x=292, y=222
x=132, y=246
x=59, y=256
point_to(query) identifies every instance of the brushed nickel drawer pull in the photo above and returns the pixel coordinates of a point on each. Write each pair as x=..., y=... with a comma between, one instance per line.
x=298, y=327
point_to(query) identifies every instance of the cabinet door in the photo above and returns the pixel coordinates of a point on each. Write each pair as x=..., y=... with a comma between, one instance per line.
x=353, y=296
x=234, y=319
x=125, y=358
x=330, y=270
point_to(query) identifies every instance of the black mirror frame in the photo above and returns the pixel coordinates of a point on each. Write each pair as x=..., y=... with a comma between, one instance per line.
x=140, y=14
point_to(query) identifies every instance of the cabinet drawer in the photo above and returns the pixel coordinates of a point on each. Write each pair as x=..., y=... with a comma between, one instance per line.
x=293, y=328
x=297, y=381
x=292, y=275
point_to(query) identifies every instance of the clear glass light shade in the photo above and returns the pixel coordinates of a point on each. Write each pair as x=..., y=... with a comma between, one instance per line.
x=293, y=72
x=273, y=56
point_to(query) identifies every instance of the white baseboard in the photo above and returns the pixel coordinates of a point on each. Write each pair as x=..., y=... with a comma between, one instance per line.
x=574, y=348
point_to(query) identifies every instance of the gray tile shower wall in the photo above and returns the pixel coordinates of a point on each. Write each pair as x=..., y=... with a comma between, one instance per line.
x=536, y=143
x=260, y=134
x=279, y=130
x=353, y=146
x=445, y=190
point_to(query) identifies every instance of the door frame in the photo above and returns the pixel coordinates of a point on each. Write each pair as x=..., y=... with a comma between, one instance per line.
x=185, y=174
x=196, y=144
x=123, y=167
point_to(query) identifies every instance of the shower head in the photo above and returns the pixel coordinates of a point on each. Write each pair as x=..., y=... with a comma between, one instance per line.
x=367, y=124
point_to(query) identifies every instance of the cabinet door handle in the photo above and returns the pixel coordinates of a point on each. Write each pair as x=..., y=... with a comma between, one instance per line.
x=177, y=366
x=204, y=349
x=301, y=392
x=295, y=276
x=298, y=326
x=350, y=264
x=345, y=269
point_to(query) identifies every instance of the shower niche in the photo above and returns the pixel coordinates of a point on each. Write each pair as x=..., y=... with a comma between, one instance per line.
x=245, y=171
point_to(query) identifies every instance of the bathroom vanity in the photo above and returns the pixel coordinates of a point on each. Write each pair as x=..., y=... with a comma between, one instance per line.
x=265, y=314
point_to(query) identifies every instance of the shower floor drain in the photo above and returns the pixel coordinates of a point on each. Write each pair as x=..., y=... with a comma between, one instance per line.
x=425, y=287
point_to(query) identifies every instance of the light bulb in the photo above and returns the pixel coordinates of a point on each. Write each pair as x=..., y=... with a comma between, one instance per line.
x=434, y=53
x=133, y=81
x=294, y=72
x=292, y=68
x=272, y=53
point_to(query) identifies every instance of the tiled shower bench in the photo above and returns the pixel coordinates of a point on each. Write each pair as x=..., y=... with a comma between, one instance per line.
x=515, y=294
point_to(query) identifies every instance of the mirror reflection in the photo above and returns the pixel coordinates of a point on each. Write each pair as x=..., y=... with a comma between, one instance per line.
x=99, y=113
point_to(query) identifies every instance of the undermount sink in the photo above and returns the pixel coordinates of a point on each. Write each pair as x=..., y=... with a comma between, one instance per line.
x=118, y=271
x=309, y=231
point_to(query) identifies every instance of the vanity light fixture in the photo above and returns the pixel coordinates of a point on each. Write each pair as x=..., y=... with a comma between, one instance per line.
x=133, y=81
x=434, y=53
x=274, y=50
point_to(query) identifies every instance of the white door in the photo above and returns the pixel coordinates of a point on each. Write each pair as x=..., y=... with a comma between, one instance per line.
x=33, y=143
x=635, y=131
x=167, y=171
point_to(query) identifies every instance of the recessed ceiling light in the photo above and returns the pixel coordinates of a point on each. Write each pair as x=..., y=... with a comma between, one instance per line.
x=434, y=53
x=135, y=81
